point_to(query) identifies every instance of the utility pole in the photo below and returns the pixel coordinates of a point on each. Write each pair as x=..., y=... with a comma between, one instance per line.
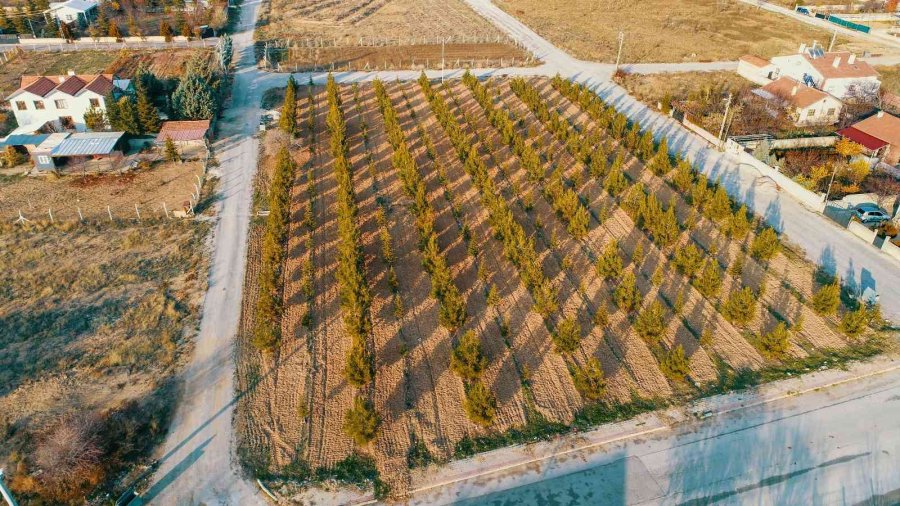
x=621, y=43
x=724, y=119
x=7, y=495
x=442, y=60
x=831, y=182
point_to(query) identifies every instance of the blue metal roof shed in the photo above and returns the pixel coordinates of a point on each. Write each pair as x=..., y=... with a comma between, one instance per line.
x=88, y=144
x=23, y=140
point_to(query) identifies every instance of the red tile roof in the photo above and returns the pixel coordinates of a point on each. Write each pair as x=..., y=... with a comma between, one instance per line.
x=71, y=85
x=41, y=86
x=867, y=141
x=883, y=126
x=183, y=130
x=101, y=85
x=784, y=88
x=825, y=66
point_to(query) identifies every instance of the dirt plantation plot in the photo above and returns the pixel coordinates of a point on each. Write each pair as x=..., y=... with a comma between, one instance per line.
x=449, y=269
x=370, y=34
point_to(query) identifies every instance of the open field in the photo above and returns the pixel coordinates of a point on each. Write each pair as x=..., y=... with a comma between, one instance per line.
x=95, y=321
x=890, y=78
x=511, y=260
x=164, y=64
x=172, y=183
x=369, y=34
x=660, y=31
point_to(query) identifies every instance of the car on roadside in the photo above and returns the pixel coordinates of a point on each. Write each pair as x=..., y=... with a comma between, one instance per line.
x=870, y=214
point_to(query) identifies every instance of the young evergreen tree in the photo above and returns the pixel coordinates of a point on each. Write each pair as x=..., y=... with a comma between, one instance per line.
x=172, y=154
x=650, y=324
x=95, y=119
x=740, y=307
x=626, y=295
x=709, y=282
x=609, y=265
x=126, y=119
x=467, y=360
x=775, y=344
x=827, y=299
x=114, y=30
x=288, y=121
x=148, y=116
x=675, y=365
x=480, y=404
x=165, y=30
x=765, y=245
x=589, y=380
x=688, y=260
x=362, y=421
x=193, y=98
x=567, y=336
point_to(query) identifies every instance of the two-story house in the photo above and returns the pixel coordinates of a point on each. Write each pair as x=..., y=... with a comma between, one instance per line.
x=60, y=102
x=835, y=73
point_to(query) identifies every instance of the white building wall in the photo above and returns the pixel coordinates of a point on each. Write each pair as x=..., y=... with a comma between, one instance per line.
x=754, y=74
x=841, y=87
x=75, y=107
x=820, y=110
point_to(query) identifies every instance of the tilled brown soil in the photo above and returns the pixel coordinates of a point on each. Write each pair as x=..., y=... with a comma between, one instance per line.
x=299, y=398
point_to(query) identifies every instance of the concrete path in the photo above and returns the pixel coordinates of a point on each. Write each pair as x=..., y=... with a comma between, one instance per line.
x=798, y=441
x=198, y=465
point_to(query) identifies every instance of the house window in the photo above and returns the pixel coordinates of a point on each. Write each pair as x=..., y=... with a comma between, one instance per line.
x=831, y=111
x=39, y=105
x=95, y=102
x=810, y=113
x=44, y=160
x=61, y=104
x=20, y=105
x=69, y=17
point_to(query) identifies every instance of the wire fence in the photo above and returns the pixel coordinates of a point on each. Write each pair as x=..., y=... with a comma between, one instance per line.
x=385, y=41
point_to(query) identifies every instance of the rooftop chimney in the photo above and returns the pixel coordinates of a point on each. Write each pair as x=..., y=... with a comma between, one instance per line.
x=837, y=62
x=880, y=114
x=71, y=72
x=802, y=48
x=852, y=59
x=794, y=90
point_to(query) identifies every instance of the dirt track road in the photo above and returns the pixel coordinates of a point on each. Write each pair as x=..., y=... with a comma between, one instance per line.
x=198, y=464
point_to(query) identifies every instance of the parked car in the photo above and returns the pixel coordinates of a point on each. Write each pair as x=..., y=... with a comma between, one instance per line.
x=870, y=214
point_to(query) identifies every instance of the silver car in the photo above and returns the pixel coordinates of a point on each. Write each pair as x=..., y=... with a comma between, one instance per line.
x=870, y=214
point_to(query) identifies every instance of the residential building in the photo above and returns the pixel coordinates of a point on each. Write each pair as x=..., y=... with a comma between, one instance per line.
x=58, y=103
x=72, y=11
x=839, y=73
x=82, y=151
x=190, y=137
x=806, y=106
x=878, y=134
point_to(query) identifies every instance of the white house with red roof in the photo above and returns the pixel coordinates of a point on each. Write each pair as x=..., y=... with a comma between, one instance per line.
x=806, y=106
x=61, y=101
x=836, y=73
x=879, y=135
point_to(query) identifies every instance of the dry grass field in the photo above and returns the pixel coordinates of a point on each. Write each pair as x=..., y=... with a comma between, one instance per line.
x=660, y=31
x=890, y=78
x=36, y=197
x=403, y=33
x=95, y=321
x=529, y=265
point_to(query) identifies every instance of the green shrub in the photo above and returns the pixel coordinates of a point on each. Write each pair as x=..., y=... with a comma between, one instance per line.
x=740, y=307
x=827, y=299
x=567, y=336
x=674, y=365
x=719, y=207
x=609, y=265
x=775, y=344
x=627, y=296
x=589, y=380
x=467, y=359
x=765, y=245
x=650, y=324
x=362, y=421
x=683, y=177
x=480, y=404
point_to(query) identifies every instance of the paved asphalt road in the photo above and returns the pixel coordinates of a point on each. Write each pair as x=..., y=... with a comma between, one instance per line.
x=198, y=465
